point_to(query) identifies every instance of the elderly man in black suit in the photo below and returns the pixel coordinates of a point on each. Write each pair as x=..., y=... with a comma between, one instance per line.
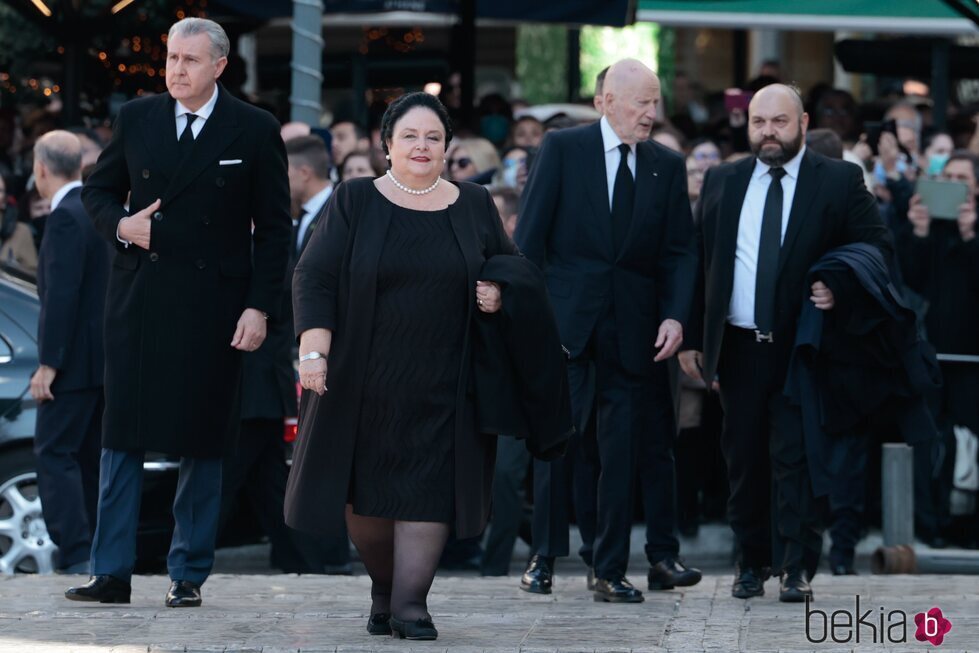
x=72, y=275
x=605, y=215
x=762, y=223
x=191, y=287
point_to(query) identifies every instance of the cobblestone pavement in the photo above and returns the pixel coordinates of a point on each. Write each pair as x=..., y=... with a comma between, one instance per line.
x=277, y=613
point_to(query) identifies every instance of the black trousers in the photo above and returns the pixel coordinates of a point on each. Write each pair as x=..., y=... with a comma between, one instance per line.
x=847, y=499
x=67, y=446
x=771, y=507
x=626, y=422
x=512, y=462
x=258, y=471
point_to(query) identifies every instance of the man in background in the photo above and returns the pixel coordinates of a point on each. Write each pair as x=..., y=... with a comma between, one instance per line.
x=72, y=276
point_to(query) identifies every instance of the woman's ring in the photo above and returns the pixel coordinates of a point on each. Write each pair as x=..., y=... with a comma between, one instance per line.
x=479, y=301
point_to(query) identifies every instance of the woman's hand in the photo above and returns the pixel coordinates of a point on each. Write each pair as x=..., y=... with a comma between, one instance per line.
x=488, y=296
x=312, y=375
x=312, y=372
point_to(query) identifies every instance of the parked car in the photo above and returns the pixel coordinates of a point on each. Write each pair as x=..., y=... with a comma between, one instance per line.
x=25, y=545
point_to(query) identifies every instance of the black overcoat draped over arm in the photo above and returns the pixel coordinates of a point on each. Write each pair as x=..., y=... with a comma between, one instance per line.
x=334, y=287
x=171, y=375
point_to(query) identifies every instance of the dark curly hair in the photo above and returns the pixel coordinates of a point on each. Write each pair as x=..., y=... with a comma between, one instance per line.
x=397, y=109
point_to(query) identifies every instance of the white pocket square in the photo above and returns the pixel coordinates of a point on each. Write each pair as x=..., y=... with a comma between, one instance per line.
x=229, y=162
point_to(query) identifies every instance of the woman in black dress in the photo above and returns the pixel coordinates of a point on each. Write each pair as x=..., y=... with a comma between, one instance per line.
x=384, y=296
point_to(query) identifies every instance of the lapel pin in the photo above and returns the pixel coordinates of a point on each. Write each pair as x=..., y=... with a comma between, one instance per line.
x=656, y=174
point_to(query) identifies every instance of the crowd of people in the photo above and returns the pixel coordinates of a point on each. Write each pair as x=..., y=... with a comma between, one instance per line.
x=676, y=316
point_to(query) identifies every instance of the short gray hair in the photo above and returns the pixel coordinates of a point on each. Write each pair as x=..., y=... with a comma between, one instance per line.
x=220, y=45
x=60, y=152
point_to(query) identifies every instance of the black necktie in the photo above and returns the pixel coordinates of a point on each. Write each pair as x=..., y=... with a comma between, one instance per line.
x=768, y=249
x=623, y=199
x=186, y=140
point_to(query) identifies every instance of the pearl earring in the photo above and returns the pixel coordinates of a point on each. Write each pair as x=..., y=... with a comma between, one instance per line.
x=387, y=156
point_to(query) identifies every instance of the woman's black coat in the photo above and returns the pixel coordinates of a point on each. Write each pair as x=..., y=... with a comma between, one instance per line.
x=334, y=287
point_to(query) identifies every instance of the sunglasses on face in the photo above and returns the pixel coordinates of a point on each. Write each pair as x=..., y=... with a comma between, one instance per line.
x=462, y=162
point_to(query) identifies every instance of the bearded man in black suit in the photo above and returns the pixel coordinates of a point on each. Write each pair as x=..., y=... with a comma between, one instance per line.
x=762, y=223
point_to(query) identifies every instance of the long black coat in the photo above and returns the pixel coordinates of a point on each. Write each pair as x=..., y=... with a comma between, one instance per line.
x=831, y=207
x=72, y=273
x=172, y=377
x=334, y=288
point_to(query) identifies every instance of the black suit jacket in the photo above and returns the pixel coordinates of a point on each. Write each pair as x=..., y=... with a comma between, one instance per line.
x=172, y=377
x=831, y=207
x=72, y=274
x=565, y=227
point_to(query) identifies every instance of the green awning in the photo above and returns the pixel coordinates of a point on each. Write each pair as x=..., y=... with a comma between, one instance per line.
x=882, y=16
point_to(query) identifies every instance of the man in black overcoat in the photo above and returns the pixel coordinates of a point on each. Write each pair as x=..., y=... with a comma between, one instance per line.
x=72, y=274
x=605, y=215
x=201, y=251
x=762, y=222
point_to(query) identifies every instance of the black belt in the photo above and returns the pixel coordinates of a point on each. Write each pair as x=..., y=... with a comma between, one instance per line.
x=750, y=334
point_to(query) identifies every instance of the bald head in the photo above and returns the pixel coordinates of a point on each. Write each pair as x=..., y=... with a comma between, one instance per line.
x=631, y=94
x=778, y=96
x=777, y=124
x=57, y=160
x=292, y=130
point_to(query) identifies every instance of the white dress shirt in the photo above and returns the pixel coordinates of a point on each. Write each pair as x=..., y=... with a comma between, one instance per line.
x=310, y=210
x=611, y=142
x=741, y=312
x=202, y=115
x=64, y=190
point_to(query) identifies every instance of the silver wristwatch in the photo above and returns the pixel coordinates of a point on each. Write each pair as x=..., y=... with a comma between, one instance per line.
x=311, y=356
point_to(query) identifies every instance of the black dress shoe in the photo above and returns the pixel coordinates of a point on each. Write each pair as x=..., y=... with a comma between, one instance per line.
x=616, y=591
x=590, y=579
x=670, y=572
x=421, y=629
x=379, y=624
x=538, y=577
x=183, y=594
x=794, y=587
x=104, y=589
x=750, y=582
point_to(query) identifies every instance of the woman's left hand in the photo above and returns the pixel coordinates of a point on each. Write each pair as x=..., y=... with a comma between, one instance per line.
x=487, y=296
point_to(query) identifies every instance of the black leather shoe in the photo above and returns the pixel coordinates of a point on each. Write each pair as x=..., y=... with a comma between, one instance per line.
x=183, y=594
x=616, y=591
x=670, y=572
x=590, y=579
x=538, y=577
x=104, y=589
x=794, y=587
x=421, y=629
x=750, y=582
x=379, y=624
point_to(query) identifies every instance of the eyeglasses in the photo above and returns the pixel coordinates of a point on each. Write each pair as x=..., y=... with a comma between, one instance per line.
x=462, y=162
x=709, y=155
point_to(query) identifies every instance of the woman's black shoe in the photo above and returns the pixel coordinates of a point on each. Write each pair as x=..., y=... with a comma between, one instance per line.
x=379, y=624
x=418, y=629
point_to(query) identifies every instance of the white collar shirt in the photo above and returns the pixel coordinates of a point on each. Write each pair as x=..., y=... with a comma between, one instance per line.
x=62, y=192
x=741, y=311
x=202, y=115
x=611, y=142
x=311, y=209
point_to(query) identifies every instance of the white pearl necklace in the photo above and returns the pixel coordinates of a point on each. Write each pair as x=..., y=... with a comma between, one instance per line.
x=412, y=191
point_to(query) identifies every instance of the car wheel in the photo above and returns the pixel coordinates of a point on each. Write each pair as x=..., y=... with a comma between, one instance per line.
x=25, y=545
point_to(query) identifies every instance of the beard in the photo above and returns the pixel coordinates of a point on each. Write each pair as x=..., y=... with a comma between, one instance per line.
x=776, y=158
